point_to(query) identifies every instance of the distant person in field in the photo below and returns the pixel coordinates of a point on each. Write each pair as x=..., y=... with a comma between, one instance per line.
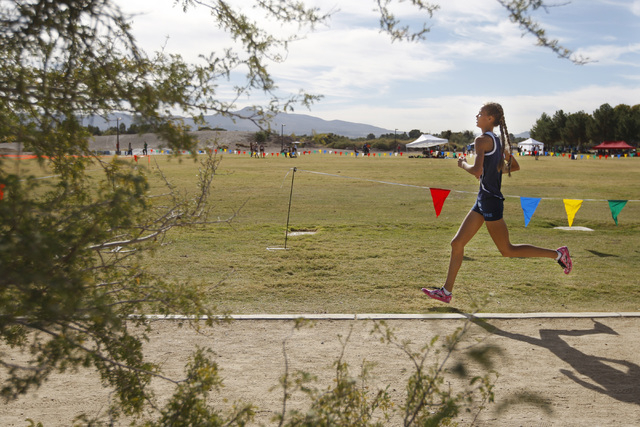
x=492, y=160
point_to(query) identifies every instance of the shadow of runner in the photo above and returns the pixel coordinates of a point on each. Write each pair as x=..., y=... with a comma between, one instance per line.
x=602, y=254
x=619, y=379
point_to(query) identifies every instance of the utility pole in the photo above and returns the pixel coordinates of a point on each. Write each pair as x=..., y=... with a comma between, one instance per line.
x=282, y=138
x=395, y=140
x=118, y=136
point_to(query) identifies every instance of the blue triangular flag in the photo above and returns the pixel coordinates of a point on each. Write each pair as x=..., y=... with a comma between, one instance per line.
x=529, y=206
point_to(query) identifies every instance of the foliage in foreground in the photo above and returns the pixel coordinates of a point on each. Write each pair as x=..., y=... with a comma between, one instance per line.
x=430, y=399
x=72, y=288
x=69, y=276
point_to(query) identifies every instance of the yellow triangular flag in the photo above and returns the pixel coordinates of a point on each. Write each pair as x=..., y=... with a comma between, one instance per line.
x=571, y=206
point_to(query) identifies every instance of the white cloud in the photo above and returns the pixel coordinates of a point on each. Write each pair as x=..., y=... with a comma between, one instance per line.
x=631, y=6
x=186, y=33
x=465, y=12
x=612, y=54
x=457, y=113
x=344, y=62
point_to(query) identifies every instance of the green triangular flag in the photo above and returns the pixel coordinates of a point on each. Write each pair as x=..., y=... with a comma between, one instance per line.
x=616, y=206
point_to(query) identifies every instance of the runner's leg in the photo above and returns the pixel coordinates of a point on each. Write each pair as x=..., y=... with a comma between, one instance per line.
x=469, y=227
x=500, y=234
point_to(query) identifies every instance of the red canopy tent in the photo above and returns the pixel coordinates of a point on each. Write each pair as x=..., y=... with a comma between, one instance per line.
x=613, y=145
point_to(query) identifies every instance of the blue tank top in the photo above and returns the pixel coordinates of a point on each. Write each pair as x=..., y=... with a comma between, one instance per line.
x=491, y=178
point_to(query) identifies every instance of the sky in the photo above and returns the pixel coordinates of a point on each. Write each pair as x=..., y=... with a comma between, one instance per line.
x=472, y=54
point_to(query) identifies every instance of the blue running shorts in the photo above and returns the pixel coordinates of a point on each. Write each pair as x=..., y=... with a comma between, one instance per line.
x=490, y=208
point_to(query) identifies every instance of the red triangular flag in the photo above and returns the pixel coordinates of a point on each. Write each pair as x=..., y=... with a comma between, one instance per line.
x=439, y=195
x=1, y=191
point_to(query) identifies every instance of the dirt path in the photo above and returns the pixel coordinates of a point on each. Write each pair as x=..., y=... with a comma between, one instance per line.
x=588, y=369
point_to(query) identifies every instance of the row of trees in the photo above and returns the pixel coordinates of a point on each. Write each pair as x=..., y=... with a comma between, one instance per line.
x=385, y=142
x=580, y=130
x=135, y=128
x=122, y=129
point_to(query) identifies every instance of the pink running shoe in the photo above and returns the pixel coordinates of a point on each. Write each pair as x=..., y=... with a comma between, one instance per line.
x=565, y=259
x=437, y=294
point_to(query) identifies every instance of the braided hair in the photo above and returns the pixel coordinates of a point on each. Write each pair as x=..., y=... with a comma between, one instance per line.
x=495, y=110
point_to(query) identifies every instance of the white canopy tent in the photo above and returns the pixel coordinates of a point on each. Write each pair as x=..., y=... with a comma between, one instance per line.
x=531, y=145
x=427, y=141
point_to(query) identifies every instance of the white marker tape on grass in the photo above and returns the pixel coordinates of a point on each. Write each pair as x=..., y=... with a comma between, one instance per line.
x=573, y=228
x=424, y=316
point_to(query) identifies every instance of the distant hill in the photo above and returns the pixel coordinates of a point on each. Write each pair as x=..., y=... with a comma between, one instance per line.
x=299, y=124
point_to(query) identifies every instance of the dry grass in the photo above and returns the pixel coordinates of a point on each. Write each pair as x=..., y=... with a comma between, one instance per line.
x=377, y=244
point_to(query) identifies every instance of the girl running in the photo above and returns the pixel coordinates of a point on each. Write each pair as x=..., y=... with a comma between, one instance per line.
x=492, y=160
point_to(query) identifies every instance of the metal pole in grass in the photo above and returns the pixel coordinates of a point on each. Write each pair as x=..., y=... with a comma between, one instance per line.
x=286, y=232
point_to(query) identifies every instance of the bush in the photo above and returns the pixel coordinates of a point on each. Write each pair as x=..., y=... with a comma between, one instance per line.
x=431, y=399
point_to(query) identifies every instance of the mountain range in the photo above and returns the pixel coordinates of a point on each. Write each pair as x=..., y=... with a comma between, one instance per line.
x=288, y=123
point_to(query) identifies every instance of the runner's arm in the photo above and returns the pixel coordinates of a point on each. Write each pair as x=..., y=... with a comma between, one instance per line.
x=483, y=144
x=515, y=166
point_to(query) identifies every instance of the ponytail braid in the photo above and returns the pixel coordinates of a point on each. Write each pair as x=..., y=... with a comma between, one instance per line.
x=504, y=133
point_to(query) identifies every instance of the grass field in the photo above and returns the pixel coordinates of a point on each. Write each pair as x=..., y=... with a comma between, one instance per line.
x=376, y=244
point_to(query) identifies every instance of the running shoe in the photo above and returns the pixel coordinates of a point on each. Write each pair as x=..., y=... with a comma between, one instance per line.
x=565, y=259
x=437, y=294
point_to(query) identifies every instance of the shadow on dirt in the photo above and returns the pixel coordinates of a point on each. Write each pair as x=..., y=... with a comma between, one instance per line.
x=619, y=379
